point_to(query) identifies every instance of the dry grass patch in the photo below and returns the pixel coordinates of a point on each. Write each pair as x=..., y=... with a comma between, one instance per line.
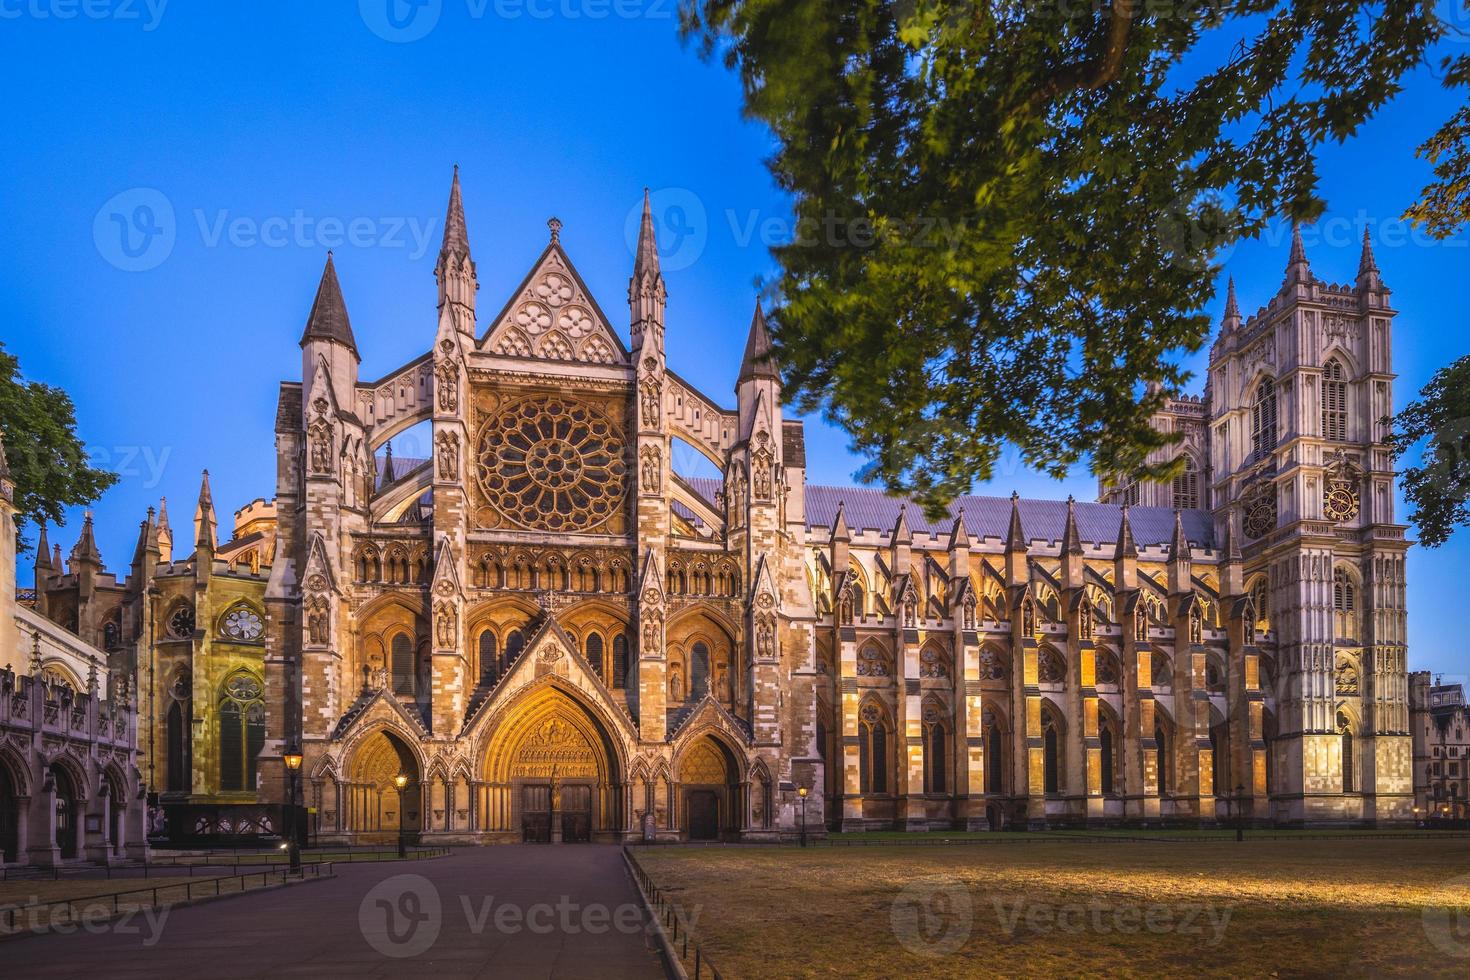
x=1289, y=908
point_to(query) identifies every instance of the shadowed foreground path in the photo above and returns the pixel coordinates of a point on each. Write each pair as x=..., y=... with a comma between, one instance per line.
x=509, y=911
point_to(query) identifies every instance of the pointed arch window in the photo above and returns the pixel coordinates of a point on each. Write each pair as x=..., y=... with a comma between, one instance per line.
x=1161, y=760
x=404, y=674
x=515, y=642
x=872, y=750
x=1051, y=752
x=489, y=651
x=1346, y=730
x=620, y=660
x=176, y=737
x=1186, y=486
x=935, y=757
x=594, y=652
x=1344, y=605
x=1334, y=402
x=1105, y=740
x=1263, y=420
x=994, y=759
x=241, y=732
x=698, y=671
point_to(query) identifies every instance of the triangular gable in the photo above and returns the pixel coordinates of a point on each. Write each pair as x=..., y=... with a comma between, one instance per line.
x=551, y=651
x=710, y=713
x=446, y=569
x=317, y=564
x=552, y=315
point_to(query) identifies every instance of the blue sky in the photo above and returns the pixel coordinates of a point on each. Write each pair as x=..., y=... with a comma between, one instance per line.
x=238, y=142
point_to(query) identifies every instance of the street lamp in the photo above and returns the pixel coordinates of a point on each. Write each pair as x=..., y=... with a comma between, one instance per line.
x=401, y=780
x=292, y=758
x=802, y=793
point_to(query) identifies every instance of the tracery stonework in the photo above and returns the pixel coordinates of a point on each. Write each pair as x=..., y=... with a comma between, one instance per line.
x=552, y=463
x=539, y=589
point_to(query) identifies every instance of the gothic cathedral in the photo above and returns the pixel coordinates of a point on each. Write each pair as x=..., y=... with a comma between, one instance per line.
x=554, y=635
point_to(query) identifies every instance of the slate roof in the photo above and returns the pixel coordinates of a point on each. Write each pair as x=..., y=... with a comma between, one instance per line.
x=871, y=509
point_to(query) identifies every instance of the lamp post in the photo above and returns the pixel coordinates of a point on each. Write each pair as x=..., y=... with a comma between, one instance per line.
x=802, y=793
x=292, y=758
x=401, y=780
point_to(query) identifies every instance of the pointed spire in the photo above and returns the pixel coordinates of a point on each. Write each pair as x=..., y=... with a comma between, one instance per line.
x=328, y=318
x=757, y=362
x=1232, y=538
x=1368, y=277
x=959, y=537
x=1297, y=269
x=165, y=533
x=1016, y=536
x=455, y=270
x=840, y=530
x=86, y=547
x=388, y=476
x=1071, y=538
x=1179, y=543
x=204, y=523
x=1231, y=319
x=553, y=224
x=43, y=550
x=645, y=259
x=646, y=292
x=901, y=530
x=1127, y=547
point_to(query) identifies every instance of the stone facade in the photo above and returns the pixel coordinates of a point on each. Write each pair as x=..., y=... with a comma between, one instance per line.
x=1440, y=721
x=70, y=788
x=188, y=634
x=554, y=635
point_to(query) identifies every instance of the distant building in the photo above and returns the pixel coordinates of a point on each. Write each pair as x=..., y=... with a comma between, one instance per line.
x=1440, y=721
x=69, y=781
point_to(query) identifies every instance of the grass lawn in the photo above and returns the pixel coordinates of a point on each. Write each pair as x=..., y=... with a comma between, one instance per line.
x=1309, y=907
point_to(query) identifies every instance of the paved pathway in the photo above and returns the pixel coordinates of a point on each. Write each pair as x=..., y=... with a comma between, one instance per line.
x=521, y=910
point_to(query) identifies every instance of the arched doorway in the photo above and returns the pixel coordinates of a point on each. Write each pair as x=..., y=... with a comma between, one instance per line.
x=710, y=800
x=552, y=773
x=9, y=815
x=67, y=815
x=376, y=811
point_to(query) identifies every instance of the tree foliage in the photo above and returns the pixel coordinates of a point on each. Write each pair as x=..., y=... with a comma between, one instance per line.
x=47, y=461
x=1437, y=489
x=1006, y=212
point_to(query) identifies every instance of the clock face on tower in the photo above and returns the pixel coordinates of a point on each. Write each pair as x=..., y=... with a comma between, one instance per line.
x=1260, y=510
x=1340, y=501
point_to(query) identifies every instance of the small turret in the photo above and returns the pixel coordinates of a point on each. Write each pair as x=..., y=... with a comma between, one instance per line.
x=1125, y=556
x=1018, y=571
x=1231, y=320
x=902, y=541
x=1072, y=563
x=165, y=533
x=646, y=293
x=204, y=522
x=455, y=269
x=841, y=537
x=1180, y=558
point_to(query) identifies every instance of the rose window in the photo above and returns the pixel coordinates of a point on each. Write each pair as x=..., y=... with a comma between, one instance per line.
x=545, y=463
x=181, y=623
x=243, y=623
x=1260, y=510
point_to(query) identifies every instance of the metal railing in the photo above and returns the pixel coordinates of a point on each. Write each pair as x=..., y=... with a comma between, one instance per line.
x=193, y=889
x=259, y=858
x=675, y=925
